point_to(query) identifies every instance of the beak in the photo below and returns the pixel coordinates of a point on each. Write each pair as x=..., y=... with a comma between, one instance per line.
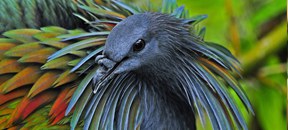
x=105, y=72
x=103, y=76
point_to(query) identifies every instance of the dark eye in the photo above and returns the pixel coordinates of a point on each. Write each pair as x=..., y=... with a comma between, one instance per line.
x=139, y=45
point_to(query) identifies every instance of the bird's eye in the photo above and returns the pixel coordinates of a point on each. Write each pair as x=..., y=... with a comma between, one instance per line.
x=139, y=45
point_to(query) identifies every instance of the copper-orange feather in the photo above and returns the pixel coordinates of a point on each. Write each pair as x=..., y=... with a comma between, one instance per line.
x=43, y=83
x=13, y=95
x=33, y=72
x=27, y=105
x=10, y=66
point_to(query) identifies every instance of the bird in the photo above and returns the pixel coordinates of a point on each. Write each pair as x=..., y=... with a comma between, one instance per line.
x=131, y=69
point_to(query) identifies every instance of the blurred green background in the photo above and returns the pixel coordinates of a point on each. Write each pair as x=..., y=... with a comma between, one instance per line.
x=255, y=31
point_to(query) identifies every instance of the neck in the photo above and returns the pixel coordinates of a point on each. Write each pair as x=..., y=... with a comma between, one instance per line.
x=162, y=108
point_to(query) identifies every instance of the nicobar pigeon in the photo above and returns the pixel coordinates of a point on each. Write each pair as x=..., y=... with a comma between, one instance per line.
x=116, y=67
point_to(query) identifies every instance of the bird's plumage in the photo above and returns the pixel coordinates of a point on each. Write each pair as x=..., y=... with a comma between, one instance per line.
x=175, y=77
x=174, y=73
x=35, y=14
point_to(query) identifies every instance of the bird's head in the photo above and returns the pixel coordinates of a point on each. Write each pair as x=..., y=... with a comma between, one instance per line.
x=143, y=44
x=159, y=50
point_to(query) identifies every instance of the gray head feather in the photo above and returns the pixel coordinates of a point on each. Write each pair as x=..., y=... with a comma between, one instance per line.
x=174, y=76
